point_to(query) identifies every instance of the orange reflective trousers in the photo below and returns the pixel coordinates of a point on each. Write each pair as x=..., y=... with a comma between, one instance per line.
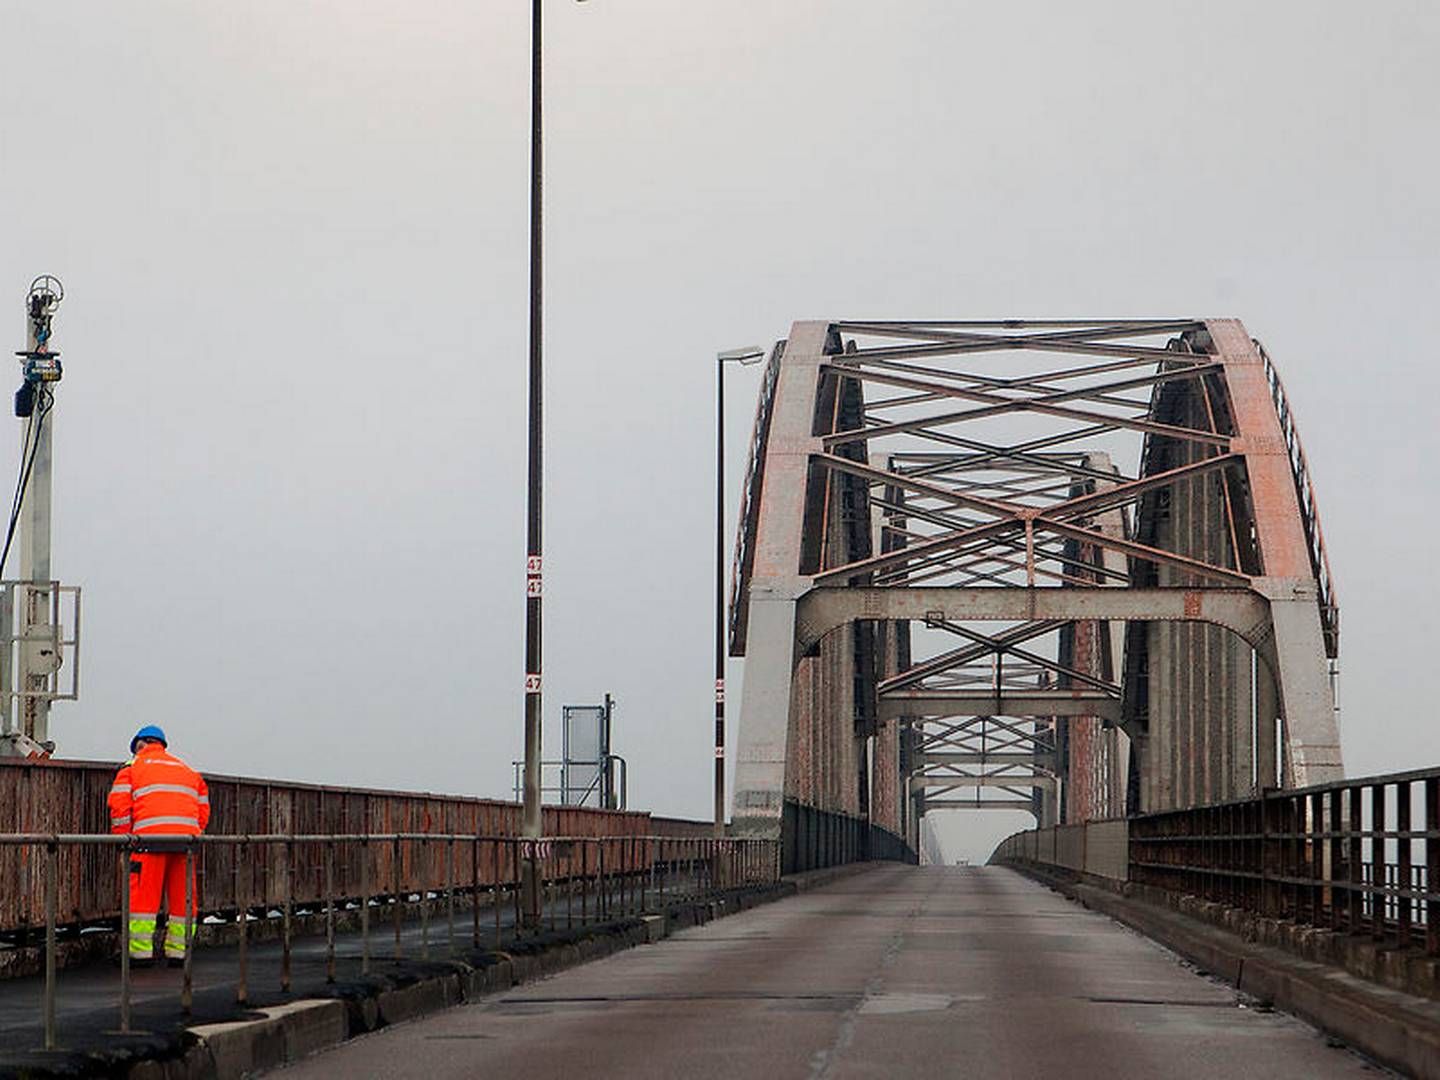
x=157, y=793
x=153, y=876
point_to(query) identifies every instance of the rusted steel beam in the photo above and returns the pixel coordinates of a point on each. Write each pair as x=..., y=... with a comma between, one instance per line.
x=1010, y=703
x=825, y=609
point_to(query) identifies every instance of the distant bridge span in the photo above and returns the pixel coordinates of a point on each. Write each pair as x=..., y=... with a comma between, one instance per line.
x=1107, y=532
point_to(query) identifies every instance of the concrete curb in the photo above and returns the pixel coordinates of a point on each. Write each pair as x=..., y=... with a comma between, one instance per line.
x=1399, y=1030
x=814, y=879
x=287, y=1033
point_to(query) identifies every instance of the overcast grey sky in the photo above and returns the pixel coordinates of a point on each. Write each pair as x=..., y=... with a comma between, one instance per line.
x=293, y=234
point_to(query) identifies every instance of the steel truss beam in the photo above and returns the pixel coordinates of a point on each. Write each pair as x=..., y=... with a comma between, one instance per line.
x=1135, y=598
x=821, y=610
x=937, y=703
x=977, y=804
x=929, y=782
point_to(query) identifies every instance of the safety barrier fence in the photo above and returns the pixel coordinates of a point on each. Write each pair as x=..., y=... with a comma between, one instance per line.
x=583, y=880
x=1097, y=848
x=68, y=797
x=1360, y=857
x=813, y=839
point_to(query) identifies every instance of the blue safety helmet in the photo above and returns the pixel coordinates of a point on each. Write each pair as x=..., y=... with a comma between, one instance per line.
x=149, y=731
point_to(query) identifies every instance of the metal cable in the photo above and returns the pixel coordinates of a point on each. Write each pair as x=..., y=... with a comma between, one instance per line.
x=27, y=465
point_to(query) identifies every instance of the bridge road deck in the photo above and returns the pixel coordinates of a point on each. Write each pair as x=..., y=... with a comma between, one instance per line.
x=894, y=972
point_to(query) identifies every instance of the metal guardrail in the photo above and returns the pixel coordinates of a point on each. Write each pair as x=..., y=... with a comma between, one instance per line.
x=555, y=795
x=1100, y=849
x=1344, y=856
x=812, y=839
x=68, y=797
x=1359, y=857
x=612, y=877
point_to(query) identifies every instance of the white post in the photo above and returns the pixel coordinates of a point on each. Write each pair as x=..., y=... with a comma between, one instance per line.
x=39, y=649
x=34, y=604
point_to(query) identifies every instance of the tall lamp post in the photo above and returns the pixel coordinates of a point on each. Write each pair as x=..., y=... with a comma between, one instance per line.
x=530, y=825
x=746, y=356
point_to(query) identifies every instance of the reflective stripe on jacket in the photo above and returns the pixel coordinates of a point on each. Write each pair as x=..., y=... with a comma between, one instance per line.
x=157, y=792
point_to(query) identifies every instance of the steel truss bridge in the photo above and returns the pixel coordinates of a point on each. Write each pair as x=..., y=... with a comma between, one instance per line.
x=1068, y=567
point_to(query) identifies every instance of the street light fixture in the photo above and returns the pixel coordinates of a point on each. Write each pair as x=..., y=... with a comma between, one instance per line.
x=746, y=356
x=531, y=821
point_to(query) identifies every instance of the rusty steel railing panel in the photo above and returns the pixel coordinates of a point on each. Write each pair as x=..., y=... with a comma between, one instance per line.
x=585, y=879
x=68, y=797
x=1356, y=856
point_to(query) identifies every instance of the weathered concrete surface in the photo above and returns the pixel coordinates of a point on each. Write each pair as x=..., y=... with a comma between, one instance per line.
x=220, y=1040
x=1400, y=1029
x=896, y=972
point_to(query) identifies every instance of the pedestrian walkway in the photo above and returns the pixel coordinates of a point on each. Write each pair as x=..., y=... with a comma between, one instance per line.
x=895, y=972
x=87, y=998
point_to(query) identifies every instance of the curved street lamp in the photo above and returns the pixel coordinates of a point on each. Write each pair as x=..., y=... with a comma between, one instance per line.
x=752, y=354
x=531, y=821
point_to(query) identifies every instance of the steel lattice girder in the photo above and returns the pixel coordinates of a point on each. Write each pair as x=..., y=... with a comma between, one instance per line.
x=956, y=474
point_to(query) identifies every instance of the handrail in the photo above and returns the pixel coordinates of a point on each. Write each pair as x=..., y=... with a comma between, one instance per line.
x=611, y=877
x=1357, y=857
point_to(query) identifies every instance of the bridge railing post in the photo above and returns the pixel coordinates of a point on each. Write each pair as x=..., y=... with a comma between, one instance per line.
x=1295, y=870
x=1204, y=855
x=124, y=938
x=1432, y=866
x=397, y=858
x=475, y=892
x=1304, y=913
x=1318, y=854
x=1356, y=867
x=422, y=868
x=1234, y=855
x=330, y=911
x=1268, y=904
x=450, y=896
x=1279, y=820
x=1377, y=862
x=1338, y=896
x=287, y=910
x=52, y=892
x=365, y=856
x=1403, y=882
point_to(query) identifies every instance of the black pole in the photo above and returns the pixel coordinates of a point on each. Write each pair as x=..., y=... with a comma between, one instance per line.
x=533, y=563
x=719, y=597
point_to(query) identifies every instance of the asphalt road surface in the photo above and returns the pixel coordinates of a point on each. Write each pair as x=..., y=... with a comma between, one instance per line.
x=895, y=972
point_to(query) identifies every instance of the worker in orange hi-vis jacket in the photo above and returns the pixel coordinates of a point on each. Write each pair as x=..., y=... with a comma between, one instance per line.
x=155, y=793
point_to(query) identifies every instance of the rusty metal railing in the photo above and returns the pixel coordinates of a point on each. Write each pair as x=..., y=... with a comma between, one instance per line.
x=1360, y=856
x=69, y=797
x=585, y=879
